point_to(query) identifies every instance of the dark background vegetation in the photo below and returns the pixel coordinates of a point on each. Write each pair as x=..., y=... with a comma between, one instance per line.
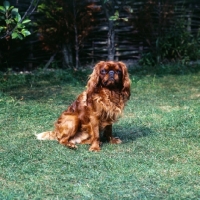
x=74, y=33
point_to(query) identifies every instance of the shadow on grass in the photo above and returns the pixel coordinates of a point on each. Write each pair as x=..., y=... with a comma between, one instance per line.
x=127, y=134
x=25, y=93
x=57, y=84
x=57, y=94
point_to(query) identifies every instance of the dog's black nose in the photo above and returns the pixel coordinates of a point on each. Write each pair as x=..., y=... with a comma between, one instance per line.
x=111, y=73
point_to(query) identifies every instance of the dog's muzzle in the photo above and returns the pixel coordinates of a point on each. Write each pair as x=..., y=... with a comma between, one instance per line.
x=111, y=75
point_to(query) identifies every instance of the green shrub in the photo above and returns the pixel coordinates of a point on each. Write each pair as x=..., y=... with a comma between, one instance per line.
x=177, y=44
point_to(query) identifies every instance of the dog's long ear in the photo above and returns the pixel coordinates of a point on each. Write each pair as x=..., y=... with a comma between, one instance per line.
x=93, y=81
x=125, y=81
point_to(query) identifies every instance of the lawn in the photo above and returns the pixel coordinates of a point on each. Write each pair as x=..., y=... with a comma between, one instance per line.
x=158, y=159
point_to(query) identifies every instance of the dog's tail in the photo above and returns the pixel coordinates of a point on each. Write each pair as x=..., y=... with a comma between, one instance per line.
x=49, y=135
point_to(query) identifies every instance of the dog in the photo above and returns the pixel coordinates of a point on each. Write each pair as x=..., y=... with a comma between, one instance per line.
x=95, y=109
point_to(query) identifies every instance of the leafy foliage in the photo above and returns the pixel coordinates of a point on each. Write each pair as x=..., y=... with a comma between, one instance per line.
x=167, y=32
x=11, y=22
x=66, y=25
x=179, y=44
x=116, y=17
x=75, y=33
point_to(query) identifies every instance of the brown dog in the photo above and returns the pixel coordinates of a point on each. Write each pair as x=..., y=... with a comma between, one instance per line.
x=95, y=109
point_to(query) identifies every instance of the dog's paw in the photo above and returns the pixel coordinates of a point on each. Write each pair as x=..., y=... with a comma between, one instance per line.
x=95, y=149
x=115, y=140
x=71, y=145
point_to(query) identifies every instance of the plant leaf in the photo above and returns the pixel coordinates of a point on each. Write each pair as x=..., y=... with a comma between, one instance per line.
x=15, y=14
x=26, y=21
x=9, y=21
x=25, y=32
x=15, y=11
x=2, y=28
x=18, y=17
x=117, y=13
x=6, y=4
x=2, y=10
x=11, y=7
x=14, y=35
x=125, y=19
x=19, y=25
x=113, y=18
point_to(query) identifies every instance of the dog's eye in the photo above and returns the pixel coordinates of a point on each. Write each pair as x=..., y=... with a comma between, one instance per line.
x=103, y=71
x=118, y=71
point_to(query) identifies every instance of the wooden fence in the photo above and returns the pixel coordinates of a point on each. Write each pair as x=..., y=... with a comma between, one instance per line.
x=135, y=31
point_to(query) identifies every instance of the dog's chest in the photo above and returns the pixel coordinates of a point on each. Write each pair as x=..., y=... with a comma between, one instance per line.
x=108, y=106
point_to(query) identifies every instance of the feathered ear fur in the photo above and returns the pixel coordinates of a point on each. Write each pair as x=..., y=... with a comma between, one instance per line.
x=94, y=78
x=125, y=80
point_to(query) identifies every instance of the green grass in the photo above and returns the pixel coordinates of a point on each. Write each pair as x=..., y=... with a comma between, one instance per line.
x=158, y=159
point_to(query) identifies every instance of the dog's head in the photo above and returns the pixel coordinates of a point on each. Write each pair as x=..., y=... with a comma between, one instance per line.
x=111, y=75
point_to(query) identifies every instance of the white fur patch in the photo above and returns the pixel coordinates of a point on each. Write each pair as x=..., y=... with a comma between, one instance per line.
x=45, y=136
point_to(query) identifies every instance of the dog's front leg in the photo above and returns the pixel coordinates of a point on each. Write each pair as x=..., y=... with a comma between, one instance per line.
x=95, y=146
x=108, y=135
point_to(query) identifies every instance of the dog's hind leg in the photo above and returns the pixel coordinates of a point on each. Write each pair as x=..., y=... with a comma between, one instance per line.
x=66, y=128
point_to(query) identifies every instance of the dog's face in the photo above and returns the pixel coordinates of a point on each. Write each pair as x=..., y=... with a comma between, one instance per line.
x=110, y=74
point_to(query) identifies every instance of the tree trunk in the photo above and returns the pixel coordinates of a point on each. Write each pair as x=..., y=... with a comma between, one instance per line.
x=109, y=11
x=189, y=19
x=111, y=40
x=76, y=37
x=67, y=55
x=50, y=61
x=76, y=47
